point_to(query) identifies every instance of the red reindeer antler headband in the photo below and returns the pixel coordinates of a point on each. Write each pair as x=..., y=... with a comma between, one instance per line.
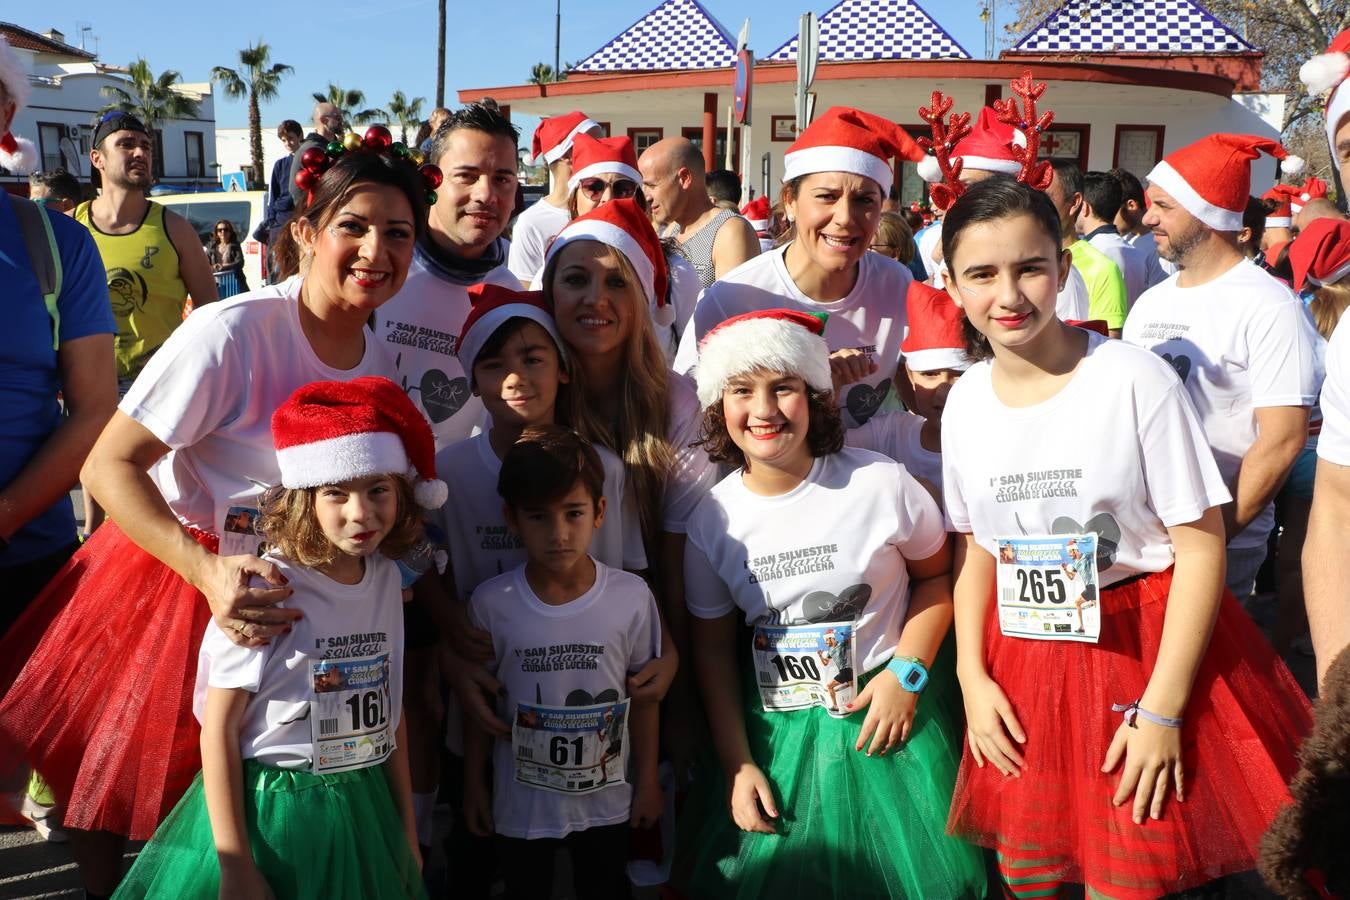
x=1035, y=174
x=943, y=141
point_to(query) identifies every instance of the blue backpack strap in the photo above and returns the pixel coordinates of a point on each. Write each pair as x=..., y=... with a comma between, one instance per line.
x=40, y=241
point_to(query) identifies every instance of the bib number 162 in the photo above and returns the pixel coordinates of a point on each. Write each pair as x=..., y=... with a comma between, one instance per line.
x=367, y=710
x=1040, y=586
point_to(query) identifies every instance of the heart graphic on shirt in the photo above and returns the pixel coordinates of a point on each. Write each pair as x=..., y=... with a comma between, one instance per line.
x=1108, y=535
x=443, y=396
x=583, y=698
x=1181, y=362
x=863, y=400
x=822, y=606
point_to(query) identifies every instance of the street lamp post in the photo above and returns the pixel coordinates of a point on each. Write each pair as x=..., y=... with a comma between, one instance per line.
x=557, y=41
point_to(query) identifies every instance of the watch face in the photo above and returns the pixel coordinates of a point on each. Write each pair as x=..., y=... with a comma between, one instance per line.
x=913, y=679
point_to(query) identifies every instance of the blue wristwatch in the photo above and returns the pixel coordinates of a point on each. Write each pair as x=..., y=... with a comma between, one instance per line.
x=911, y=672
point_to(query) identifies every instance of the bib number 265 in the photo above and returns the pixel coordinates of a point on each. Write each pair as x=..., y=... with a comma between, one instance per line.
x=1040, y=586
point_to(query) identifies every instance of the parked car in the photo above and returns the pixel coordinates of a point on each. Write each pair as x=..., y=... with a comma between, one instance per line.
x=242, y=209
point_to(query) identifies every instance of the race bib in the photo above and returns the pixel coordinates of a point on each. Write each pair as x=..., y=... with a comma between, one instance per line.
x=1047, y=588
x=799, y=666
x=350, y=716
x=570, y=749
x=238, y=531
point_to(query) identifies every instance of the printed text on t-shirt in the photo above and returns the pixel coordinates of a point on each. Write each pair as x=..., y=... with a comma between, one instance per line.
x=787, y=563
x=407, y=334
x=560, y=657
x=1036, y=485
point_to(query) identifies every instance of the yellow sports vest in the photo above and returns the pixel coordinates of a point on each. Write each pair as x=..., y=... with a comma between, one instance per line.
x=144, y=285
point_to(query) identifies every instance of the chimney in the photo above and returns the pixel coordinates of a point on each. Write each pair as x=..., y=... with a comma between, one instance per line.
x=52, y=34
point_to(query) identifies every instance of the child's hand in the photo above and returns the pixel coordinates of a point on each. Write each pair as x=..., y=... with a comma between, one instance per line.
x=469, y=642
x=243, y=881
x=849, y=365
x=991, y=725
x=477, y=807
x=1152, y=755
x=890, y=717
x=648, y=801
x=750, y=792
x=652, y=681
x=473, y=684
x=247, y=615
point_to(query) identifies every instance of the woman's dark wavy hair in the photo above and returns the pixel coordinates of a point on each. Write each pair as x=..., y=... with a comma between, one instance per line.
x=824, y=431
x=993, y=200
x=348, y=173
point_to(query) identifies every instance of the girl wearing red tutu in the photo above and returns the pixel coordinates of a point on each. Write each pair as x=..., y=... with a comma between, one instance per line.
x=304, y=789
x=1144, y=751
x=103, y=708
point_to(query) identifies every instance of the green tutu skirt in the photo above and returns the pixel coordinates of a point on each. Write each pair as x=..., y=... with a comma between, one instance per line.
x=864, y=828
x=325, y=837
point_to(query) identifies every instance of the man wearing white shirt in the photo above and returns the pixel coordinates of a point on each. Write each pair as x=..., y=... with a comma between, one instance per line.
x=1097, y=225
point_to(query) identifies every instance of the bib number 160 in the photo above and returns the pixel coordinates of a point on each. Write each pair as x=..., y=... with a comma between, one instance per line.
x=367, y=709
x=796, y=667
x=1040, y=586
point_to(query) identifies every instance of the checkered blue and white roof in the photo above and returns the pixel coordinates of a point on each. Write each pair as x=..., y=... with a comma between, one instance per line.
x=1131, y=26
x=878, y=29
x=678, y=34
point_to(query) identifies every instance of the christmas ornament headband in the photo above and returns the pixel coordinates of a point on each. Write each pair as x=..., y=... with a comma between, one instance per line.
x=1034, y=173
x=378, y=140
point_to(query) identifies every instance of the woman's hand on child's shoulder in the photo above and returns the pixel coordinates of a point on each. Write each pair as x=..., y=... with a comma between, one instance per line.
x=890, y=714
x=992, y=729
x=247, y=614
x=750, y=796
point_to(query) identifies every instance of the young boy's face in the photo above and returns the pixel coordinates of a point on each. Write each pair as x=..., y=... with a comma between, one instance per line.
x=930, y=390
x=557, y=535
x=519, y=384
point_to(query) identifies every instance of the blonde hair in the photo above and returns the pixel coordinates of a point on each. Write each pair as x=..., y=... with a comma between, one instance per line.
x=1328, y=303
x=894, y=232
x=290, y=526
x=638, y=436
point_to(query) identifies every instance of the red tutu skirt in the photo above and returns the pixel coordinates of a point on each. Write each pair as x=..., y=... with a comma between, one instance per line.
x=1242, y=729
x=103, y=706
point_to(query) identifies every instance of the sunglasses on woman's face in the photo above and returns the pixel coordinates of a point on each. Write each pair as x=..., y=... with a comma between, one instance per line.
x=620, y=189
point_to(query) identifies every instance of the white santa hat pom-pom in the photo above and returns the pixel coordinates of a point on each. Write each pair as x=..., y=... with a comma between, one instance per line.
x=664, y=316
x=929, y=170
x=1292, y=165
x=1324, y=71
x=23, y=161
x=431, y=493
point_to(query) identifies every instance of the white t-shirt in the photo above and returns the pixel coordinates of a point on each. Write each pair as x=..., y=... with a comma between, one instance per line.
x=692, y=475
x=420, y=326
x=480, y=545
x=534, y=228
x=1118, y=450
x=832, y=549
x=872, y=318
x=897, y=435
x=1239, y=342
x=1156, y=268
x=1132, y=262
x=577, y=654
x=1333, y=444
x=927, y=240
x=341, y=622
x=209, y=393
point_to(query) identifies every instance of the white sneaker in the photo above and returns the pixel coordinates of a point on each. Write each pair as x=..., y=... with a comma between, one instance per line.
x=46, y=820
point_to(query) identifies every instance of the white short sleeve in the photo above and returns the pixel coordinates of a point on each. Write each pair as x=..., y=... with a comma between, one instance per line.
x=1181, y=476
x=1334, y=443
x=232, y=666
x=958, y=515
x=644, y=636
x=705, y=593
x=923, y=530
x=1282, y=357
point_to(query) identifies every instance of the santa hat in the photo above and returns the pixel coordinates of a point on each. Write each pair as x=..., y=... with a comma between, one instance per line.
x=623, y=225
x=1212, y=177
x=850, y=140
x=1327, y=72
x=988, y=148
x=329, y=432
x=769, y=340
x=553, y=138
x=757, y=213
x=1312, y=189
x=1280, y=215
x=18, y=155
x=934, y=340
x=1321, y=255
x=600, y=156
x=492, y=306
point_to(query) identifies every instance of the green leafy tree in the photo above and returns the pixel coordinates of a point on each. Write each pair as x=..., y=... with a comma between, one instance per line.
x=350, y=103
x=405, y=112
x=542, y=73
x=152, y=99
x=259, y=79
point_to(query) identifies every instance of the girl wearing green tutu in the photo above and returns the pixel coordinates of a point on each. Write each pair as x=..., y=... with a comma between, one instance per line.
x=834, y=711
x=304, y=789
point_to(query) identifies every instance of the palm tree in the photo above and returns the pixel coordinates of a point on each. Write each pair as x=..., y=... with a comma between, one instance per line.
x=349, y=103
x=151, y=99
x=259, y=81
x=542, y=73
x=405, y=112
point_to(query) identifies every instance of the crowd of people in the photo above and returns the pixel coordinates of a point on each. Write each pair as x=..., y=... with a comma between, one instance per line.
x=915, y=549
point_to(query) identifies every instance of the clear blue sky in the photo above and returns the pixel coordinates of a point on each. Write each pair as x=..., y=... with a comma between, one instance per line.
x=379, y=46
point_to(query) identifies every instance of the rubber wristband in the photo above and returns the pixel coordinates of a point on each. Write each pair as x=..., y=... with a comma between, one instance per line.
x=1133, y=712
